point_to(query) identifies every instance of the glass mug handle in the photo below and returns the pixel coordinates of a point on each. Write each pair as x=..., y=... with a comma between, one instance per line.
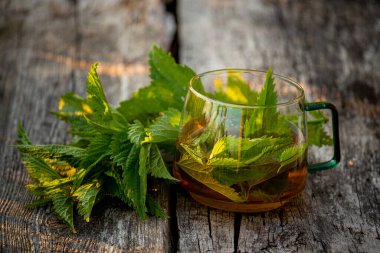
x=336, y=157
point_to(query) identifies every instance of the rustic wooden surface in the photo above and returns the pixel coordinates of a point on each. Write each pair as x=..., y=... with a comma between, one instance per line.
x=46, y=49
x=333, y=47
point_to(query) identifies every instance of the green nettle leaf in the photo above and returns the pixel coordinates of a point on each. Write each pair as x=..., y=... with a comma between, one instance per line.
x=188, y=162
x=22, y=137
x=235, y=91
x=103, y=118
x=229, y=175
x=98, y=148
x=63, y=207
x=101, y=125
x=35, y=189
x=51, y=151
x=317, y=135
x=264, y=119
x=263, y=147
x=71, y=104
x=81, y=130
x=86, y=195
x=152, y=163
x=56, y=183
x=95, y=94
x=167, y=90
x=166, y=72
x=154, y=208
x=39, y=170
x=172, y=117
x=213, y=184
x=291, y=154
x=237, y=81
x=113, y=185
x=247, y=151
x=120, y=148
x=235, y=146
x=316, y=122
x=146, y=104
x=219, y=147
x=39, y=203
x=134, y=182
x=268, y=97
x=166, y=127
x=144, y=158
x=136, y=132
x=227, y=162
x=197, y=154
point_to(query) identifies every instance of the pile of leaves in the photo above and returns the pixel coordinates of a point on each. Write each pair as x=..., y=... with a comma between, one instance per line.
x=114, y=151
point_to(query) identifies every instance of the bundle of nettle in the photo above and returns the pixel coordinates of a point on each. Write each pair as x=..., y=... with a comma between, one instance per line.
x=115, y=151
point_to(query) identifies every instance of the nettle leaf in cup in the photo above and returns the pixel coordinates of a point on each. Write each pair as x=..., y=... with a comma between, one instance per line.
x=240, y=144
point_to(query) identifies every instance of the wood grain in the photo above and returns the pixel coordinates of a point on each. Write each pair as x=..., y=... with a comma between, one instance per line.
x=202, y=229
x=46, y=49
x=332, y=47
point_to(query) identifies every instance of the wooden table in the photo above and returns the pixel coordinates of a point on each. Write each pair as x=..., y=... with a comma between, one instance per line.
x=332, y=47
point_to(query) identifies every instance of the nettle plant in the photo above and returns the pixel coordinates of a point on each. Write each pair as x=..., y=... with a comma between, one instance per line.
x=117, y=151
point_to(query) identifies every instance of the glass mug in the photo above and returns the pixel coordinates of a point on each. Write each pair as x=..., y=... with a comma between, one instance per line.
x=235, y=152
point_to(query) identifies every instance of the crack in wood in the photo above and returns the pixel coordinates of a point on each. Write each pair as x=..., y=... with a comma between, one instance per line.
x=173, y=222
x=209, y=225
x=237, y=223
x=171, y=8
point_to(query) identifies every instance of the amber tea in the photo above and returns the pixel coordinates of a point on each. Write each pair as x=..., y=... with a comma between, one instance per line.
x=241, y=171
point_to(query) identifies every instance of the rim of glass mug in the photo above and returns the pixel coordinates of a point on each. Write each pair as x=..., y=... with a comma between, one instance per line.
x=297, y=99
x=333, y=162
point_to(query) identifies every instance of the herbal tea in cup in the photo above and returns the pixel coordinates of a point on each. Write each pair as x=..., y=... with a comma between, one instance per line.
x=243, y=140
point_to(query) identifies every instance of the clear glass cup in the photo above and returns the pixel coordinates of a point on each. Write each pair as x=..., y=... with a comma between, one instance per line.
x=238, y=152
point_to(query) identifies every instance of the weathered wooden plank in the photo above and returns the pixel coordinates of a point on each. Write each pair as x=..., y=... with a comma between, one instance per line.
x=202, y=229
x=333, y=48
x=46, y=48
